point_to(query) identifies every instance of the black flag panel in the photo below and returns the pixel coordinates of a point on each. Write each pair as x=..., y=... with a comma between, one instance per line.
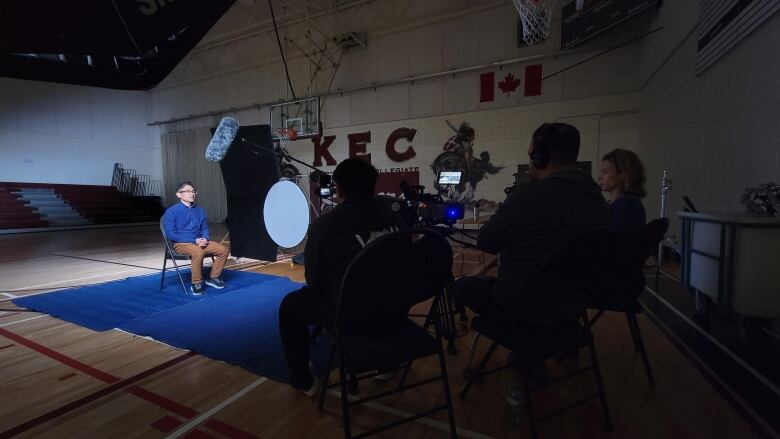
x=249, y=173
x=124, y=44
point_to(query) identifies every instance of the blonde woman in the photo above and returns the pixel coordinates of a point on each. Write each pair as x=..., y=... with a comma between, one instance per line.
x=622, y=175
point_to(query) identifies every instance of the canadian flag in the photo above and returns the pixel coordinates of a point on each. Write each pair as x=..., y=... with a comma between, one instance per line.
x=509, y=83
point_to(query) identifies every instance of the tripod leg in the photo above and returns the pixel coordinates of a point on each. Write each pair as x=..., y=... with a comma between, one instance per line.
x=467, y=371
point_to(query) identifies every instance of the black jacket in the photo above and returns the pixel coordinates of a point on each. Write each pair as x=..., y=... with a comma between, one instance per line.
x=536, y=219
x=332, y=242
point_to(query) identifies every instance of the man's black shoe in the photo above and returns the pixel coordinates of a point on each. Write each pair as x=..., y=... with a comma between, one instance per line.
x=216, y=282
x=197, y=289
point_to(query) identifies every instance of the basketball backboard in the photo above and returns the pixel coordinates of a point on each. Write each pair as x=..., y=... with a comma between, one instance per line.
x=301, y=116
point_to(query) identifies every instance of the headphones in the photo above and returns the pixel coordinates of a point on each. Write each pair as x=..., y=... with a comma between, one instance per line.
x=540, y=154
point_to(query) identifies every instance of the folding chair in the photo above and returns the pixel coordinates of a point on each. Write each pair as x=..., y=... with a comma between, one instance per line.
x=371, y=331
x=548, y=323
x=627, y=283
x=171, y=254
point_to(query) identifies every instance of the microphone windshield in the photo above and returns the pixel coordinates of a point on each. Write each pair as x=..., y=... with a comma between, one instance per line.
x=223, y=137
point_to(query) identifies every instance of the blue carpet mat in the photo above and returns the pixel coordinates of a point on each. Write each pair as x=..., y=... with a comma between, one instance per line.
x=238, y=324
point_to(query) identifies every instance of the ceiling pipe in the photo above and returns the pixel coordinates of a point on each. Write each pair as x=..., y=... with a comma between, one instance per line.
x=376, y=85
x=395, y=29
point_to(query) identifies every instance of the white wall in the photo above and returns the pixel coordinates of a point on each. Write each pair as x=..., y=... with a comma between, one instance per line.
x=71, y=134
x=482, y=33
x=717, y=133
x=55, y=133
x=503, y=132
x=599, y=96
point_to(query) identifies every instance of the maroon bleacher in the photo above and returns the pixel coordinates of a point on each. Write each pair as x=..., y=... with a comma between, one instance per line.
x=15, y=214
x=102, y=204
x=98, y=204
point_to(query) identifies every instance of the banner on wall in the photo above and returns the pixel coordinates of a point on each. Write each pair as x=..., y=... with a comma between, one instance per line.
x=457, y=154
x=389, y=182
x=509, y=84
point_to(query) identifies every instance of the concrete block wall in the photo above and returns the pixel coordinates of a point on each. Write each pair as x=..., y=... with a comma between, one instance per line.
x=605, y=122
x=587, y=95
x=57, y=133
x=716, y=133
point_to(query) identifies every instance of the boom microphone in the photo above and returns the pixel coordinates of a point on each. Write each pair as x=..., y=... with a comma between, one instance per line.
x=223, y=137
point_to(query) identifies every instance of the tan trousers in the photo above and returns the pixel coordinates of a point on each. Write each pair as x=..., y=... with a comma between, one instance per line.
x=219, y=251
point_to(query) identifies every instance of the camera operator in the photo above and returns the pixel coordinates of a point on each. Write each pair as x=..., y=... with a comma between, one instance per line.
x=333, y=241
x=536, y=219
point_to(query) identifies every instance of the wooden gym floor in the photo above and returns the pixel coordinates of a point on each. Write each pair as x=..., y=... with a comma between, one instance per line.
x=61, y=380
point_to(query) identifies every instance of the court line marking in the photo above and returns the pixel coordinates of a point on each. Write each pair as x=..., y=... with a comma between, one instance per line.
x=115, y=382
x=60, y=357
x=701, y=363
x=84, y=258
x=756, y=374
x=197, y=421
x=462, y=432
x=24, y=261
x=54, y=288
x=214, y=410
x=146, y=337
x=23, y=320
x=92, y=397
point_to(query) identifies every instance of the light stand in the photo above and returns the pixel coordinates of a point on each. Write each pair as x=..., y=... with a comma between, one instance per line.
x=666, y=186
x=283, y=155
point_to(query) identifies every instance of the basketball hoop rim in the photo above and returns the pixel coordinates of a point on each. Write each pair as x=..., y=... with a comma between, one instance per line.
x=285, y=135
x=535, y=16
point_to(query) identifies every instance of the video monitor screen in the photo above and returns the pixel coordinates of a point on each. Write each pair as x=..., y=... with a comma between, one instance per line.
x=449, y=177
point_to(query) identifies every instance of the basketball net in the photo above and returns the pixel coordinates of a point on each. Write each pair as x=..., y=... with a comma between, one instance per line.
x=535, y=16
x=284, y=136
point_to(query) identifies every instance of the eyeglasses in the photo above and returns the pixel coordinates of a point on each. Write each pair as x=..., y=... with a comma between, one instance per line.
x=193, y=192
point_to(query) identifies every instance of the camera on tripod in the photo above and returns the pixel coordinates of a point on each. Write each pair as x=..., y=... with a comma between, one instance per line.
x=325, y=188
x=419, y=208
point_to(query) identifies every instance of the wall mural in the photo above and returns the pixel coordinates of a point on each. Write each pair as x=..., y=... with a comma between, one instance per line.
x=458, y=155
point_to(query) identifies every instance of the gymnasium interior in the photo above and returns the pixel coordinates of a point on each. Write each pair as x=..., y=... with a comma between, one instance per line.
x=113, y=111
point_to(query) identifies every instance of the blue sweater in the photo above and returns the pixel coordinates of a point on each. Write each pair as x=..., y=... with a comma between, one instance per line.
x=185, y=224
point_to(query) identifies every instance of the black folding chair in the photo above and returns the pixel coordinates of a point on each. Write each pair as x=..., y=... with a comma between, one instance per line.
x=548, y=322
x=372, y=332
x=627, y=282
x=171, y=254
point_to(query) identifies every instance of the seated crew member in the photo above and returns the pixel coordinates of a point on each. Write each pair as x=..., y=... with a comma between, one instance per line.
x=622, y=175
x=536, y=219
x=333, y=240
x=187, y=227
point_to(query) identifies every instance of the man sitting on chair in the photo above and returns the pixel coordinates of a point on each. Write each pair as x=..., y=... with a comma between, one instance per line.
x=187, y=227
x=536, y=219
x=334, y=239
